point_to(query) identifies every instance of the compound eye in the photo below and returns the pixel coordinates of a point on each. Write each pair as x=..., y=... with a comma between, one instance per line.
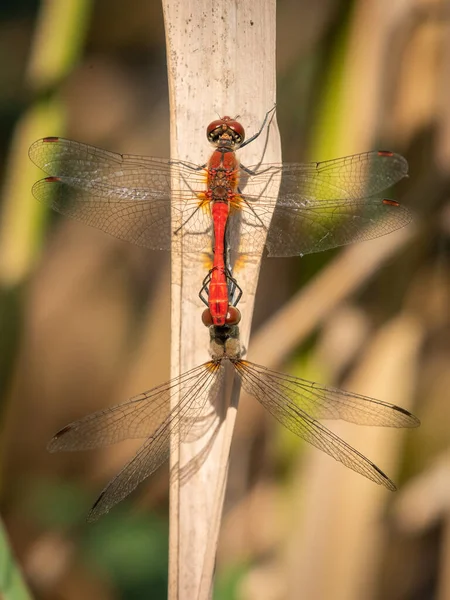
x=220, y=126
x=233, y=316
x=207, y=319
x=238, y=130
x=214, y=129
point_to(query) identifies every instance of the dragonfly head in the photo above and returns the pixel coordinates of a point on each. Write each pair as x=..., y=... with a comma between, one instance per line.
x=225, y=133
x=233, y=317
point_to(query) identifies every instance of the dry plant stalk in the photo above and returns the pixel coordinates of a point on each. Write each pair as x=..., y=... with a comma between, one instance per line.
x=221, y=61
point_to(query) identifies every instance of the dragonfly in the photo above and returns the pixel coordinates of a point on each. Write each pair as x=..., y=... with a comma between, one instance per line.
x=220, y=291
x=296, y=403
x=291, y=208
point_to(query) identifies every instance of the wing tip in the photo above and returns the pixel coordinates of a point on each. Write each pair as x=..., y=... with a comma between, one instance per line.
x=412, y=420
x=38, y=143
x=398, y=157
x=54, y=444
x=97, y=510
x=388, y=483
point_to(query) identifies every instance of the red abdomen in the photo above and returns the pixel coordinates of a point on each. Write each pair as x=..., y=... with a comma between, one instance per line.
x=223, y=170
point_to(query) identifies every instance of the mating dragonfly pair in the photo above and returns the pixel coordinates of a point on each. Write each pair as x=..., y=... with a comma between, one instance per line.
x=302, y=208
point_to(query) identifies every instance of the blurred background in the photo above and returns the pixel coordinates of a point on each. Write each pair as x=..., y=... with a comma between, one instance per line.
x=84, y=318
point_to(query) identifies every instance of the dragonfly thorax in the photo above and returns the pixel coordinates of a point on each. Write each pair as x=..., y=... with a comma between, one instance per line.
x=224, y=342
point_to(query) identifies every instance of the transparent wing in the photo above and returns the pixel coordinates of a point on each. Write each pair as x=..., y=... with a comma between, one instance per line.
x=322, y=205
x=297, y=403
x=147, y=415
x=129, y=197
x=318, y=206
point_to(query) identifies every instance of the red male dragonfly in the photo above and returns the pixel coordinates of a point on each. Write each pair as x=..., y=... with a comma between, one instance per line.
x=302, y=208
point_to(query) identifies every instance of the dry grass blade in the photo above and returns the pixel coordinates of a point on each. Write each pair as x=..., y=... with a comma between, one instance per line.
x=217, y=76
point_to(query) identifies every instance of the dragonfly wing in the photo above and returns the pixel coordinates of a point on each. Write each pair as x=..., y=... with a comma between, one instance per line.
x=137, y=418
x=147, y=415
x=271, y=393
x=326, y=224
x=325, y=205
x=129, y=197
x=322, y=402
x=354, y=176
x=67, y=158
x=153, y=453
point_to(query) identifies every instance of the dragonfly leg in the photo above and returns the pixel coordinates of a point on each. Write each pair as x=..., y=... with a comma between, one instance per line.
x=204, y=292
x=258, y=133
x=256, y=172
x=233, y=288
x=176, y=232
x=187, y=165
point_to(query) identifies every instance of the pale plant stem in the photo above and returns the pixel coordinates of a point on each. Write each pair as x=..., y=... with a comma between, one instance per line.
x=221, y=60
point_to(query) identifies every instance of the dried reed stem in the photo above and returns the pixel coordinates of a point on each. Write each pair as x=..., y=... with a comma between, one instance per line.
x=221, y=59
